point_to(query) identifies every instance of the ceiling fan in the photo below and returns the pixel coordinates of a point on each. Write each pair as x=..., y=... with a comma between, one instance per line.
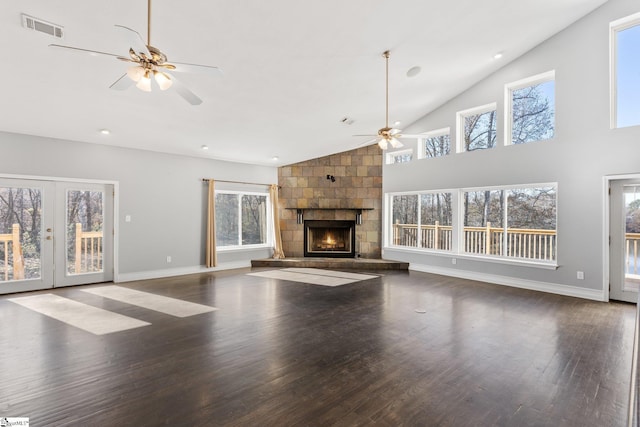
x=148, y=62
x=387, y=135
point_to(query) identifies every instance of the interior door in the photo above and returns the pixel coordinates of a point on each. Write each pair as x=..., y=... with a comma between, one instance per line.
x=54, y=234
x=624, y=232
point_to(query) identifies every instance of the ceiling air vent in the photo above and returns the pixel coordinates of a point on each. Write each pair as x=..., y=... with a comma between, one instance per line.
x=41, y=26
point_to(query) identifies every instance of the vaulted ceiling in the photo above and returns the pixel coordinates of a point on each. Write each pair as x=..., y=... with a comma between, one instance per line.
x=292, y=69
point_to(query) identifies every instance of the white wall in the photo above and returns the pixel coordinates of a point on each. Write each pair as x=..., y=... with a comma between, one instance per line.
x=583, y=151
x=164, y=194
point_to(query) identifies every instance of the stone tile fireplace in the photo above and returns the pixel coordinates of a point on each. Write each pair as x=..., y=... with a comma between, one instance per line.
x=340, y=187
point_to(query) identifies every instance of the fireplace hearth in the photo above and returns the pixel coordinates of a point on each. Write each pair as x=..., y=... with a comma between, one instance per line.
x=329, y=238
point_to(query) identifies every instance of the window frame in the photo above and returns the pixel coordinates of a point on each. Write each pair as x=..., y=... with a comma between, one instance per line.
x=268, y=219
x=422, y=152
x=392, y=155
x=457, y=222
x=389, y=222
x=460, y=235
x=461, y=115
x=614, y=28
x=509, y=88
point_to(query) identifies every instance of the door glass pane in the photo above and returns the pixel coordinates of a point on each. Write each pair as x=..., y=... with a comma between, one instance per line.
x=632, y=232
x=20, y=222
x=84, y=231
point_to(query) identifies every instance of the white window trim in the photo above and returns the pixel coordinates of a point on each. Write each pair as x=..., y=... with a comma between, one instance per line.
x=393, y=154
x=460, y=116
x=422, y=154
x=615, y=27
x=545, y=77
x=389, y=234
x=457, y=247
x=269, y=221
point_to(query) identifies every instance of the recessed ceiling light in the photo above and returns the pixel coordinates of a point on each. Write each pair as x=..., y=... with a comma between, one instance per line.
x=204, y=147
x=397, y=123
x=497, y=55
x=275, y=158
x=414, y=71
x=105, y=131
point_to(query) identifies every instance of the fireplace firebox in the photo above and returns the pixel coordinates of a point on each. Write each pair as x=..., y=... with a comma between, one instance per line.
x=332, y=239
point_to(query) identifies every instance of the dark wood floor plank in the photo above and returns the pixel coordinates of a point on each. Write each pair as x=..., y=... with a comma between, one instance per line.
x=279, y=353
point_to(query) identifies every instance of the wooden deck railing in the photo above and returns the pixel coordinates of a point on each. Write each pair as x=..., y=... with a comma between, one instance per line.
x=88, y=250
x=521, y=243
x=632, y=257
x=16, y=249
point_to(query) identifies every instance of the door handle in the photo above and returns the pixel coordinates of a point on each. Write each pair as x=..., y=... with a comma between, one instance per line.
x=49, y=238
x=49, y=230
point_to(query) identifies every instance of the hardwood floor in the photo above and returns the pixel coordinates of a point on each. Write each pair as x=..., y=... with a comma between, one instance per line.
x=279, y=353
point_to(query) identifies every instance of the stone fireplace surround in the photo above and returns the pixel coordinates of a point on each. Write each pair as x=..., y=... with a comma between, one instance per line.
x=356, y=187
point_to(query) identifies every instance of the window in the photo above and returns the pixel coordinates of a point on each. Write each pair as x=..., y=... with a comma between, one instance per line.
x=625, y=85
x=530, y=112
x=403, y=156
x=435, y=221
x=511, y=222
x=477, y=128
x=436, y=143
x=431, y=229
x=515, y=223
x=405, y=219
x=241, y=219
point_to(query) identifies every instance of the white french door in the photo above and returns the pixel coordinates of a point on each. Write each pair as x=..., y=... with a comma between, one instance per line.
x=54, y=233
x=624, y=247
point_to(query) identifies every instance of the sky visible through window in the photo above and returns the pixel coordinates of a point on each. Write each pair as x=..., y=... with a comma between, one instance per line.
x=628, y=77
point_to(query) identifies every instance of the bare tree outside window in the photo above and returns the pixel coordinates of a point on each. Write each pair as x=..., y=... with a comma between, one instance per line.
x=241, y=219
x=437, y=146
x=22, y=208
x=533, y=113
x=254, y=219
x=480, y=131
x=227, y=215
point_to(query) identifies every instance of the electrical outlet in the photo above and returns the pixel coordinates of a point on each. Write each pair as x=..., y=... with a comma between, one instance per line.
x=168, y=258
x=454, y=261
x=580, y=275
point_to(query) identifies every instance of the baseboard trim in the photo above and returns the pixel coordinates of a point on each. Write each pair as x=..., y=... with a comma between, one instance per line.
x=554, y=288
x=158, y=274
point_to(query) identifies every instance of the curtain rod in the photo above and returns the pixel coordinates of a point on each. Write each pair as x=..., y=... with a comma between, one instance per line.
x=234, y=182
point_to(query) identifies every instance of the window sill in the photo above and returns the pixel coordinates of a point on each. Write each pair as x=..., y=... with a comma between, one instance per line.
x=242, y=248
x=481, y=258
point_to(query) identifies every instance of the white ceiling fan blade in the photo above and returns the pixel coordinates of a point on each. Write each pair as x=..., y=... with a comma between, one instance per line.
x=395, y=143
x=122, y=83
x=184, y=92
x=395, y=131
x=79, y=49
x=136, y=42
x=196, y=68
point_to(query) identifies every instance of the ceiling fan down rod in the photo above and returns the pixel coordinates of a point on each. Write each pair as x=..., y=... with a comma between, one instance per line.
x=148, y=22
x=386, y=116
